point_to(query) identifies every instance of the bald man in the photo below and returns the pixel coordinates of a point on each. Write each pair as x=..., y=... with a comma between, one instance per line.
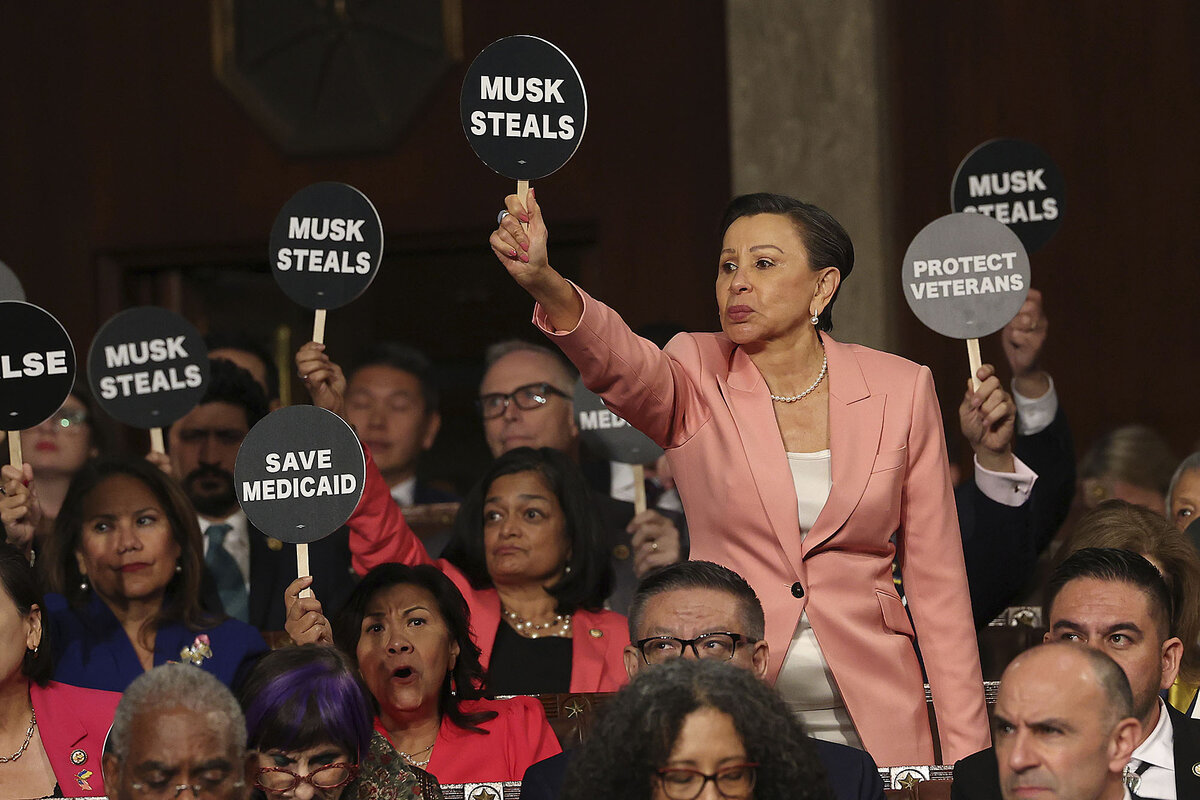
x=1064, y=725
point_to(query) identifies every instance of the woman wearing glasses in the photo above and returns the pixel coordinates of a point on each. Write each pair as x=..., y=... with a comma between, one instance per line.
x=309, y=726
x=527, y=556
x=688, y=730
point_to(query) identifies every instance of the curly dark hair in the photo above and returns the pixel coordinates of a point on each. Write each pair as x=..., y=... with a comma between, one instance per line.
x=637, y=730
x=589, y=580
x=467, y=681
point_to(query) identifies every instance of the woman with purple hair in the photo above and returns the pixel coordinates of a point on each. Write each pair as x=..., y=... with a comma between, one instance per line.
x=309, y=723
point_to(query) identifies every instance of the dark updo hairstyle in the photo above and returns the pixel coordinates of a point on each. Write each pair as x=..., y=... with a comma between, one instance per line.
x=181, y=603
x=638, y=729
x=589, y=580
x=467, y=680
x=824, y=238
x=21, y=586
x=300, y=697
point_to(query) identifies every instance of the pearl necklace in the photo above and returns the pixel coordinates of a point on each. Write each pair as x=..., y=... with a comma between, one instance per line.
x=25, y=744
x=412, y=757
x=793, y=398
x=531, y=630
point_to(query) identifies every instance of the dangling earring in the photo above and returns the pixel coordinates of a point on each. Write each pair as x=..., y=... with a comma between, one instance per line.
x=178, y=568
x=567, y=569
x=83, y=585
x=815, y=319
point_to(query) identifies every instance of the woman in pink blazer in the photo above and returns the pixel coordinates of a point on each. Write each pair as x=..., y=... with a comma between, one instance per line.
x=806, y=465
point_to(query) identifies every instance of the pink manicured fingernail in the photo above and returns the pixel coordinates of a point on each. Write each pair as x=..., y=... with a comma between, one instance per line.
x=525, y=258
x=525, y=246
x=523, y=217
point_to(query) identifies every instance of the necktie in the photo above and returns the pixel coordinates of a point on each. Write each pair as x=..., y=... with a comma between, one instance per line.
x=230, y=585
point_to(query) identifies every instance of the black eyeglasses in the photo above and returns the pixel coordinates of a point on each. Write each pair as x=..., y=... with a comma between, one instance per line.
x=707, y=646
x=529, y=397
x=280, y=779
x=734, y=782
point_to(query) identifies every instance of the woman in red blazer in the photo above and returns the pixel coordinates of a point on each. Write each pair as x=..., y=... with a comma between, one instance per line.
x=51, y=734
x=805, y=465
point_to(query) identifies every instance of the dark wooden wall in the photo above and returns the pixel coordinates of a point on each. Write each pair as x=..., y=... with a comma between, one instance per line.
x=1109, y=90
x=129, y=174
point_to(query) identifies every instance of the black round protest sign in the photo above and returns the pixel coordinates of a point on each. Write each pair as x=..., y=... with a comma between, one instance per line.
x=10, y=284
x=1013, y=182
x=966, y=275
x=607, y=435
x=326, y=245
x=148, y=367
x=299, y=474
x=37, y=365
x=523, y=107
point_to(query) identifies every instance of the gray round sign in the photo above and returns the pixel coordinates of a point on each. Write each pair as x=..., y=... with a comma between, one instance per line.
x=607, y=435
x=10, y=284
x=966, y=275
x=148, y=367
x=299, y=474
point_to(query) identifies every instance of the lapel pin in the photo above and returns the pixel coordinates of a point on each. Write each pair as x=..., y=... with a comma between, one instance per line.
x=78, y=757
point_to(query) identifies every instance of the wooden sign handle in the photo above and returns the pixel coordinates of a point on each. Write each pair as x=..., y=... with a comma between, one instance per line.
x=302, y=563
x=639, y=489
x=976, y=361
x=14, y=449
x=523, y=193
x=319, y=326
x=157, y=445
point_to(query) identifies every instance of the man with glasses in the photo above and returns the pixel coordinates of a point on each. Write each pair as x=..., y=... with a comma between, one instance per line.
x=525, y=401
x=177, y=728
x=701, y=610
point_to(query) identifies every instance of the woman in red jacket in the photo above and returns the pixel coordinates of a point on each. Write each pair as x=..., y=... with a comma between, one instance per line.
x=51, y=734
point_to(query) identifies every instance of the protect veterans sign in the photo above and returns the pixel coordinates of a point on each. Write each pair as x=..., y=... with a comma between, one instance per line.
x=148, y=367
x=1013, y=182
x=523, y=107
x=299, y=474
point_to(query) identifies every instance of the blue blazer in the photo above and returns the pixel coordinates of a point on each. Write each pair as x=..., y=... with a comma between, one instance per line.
x=91, y=649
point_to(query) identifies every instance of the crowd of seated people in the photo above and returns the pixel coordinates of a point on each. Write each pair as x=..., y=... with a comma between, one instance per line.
x=137, y=593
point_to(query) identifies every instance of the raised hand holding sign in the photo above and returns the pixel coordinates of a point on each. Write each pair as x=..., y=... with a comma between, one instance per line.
x=326, y=246
x=965, y=276
x=37, y=370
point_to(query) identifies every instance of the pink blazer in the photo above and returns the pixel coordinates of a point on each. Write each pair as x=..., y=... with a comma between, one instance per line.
x=73, y=724
x=705, y=402
x=379, y=534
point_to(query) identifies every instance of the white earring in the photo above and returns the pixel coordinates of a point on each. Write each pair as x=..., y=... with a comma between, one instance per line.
x=815, y=319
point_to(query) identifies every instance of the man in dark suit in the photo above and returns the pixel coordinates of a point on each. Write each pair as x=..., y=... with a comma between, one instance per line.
x=249, y=569
x=1117, y=602
x=688, y=610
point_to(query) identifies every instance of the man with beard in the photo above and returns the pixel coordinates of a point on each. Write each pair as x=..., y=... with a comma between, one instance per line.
x=250, y=570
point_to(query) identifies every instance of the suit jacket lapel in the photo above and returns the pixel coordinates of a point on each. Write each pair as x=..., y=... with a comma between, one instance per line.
x=1185, y=734
x=855, y=425
x=750, y=405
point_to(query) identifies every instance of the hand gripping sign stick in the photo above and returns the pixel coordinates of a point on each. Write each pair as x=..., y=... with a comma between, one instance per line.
x=966, y=276
x=612, y=438
x=299, y=476
x=326, y=245
x=37, y=370
x=148, y=368
x=523, y=109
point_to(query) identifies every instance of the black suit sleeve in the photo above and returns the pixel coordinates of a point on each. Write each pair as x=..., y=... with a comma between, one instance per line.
x=1051, y=454
x=544, y=780
x=999, y=549
x=977, y=777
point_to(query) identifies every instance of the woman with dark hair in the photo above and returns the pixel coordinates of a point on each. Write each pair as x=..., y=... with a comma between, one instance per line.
x=407, y=629
x=308, y=721
x=527, y=553
x=51, y=734
x=683, y=724
x=125, y=564
x=805, y=465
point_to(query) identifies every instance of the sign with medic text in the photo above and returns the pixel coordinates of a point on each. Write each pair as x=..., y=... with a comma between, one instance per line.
x=607, y=435
x=10, y=284
x=966, y=275
x=326, y=245
x=523, y=107
x=37, y=365
x=148, y=367
x=299, y=474
x=1013, y=182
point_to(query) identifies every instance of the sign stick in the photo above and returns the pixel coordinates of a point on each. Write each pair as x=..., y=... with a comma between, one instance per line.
x=156, y=441
x=14, y=448
x=976, y=362
x=639, y=489
x=302, y=566
x=319, y=326
x=523, y=193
